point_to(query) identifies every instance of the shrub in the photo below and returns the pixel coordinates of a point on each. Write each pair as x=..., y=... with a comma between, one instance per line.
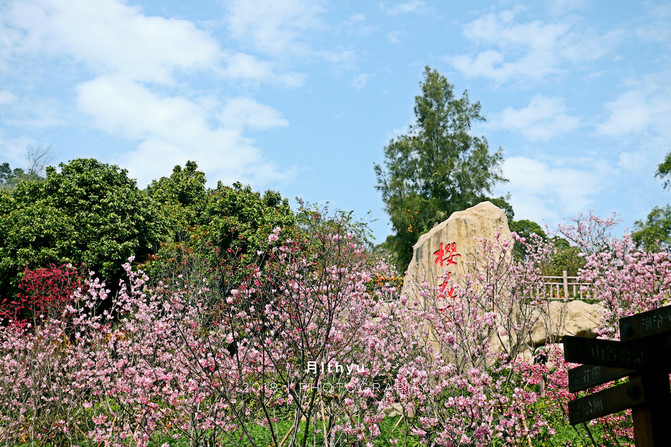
x=43, y=293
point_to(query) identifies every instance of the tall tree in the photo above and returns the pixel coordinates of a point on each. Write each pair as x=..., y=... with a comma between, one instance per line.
x=436, y=168
x=655, y=232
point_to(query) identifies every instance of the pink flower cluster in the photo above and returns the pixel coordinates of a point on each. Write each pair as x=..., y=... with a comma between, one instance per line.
x=304, y=339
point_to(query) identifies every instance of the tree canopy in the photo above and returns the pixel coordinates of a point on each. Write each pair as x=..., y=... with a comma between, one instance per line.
x=9, y=177
x=89, y=214
x=437, y=167
x=654, y=232
x=181, y=199
x=664, y=170
x=37, y=159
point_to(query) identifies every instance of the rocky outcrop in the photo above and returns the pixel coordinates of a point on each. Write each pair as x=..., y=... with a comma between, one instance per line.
x=453, y=245
x=557, y=318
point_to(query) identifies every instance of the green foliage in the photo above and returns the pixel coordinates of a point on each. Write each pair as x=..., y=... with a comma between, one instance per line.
x=655, y=232
x=311, y=218
x=664, y=170
x=240, y=219
x=213, y=234
x=181, y=199
x=88, y=214
x=566, y=257
x=524, y=228
x=9, y=177
x=437, y=168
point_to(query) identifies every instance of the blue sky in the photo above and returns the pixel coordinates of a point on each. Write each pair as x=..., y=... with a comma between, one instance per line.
x=301, y=96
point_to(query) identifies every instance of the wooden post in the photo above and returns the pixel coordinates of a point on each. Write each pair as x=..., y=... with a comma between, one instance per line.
x=651, y=420
x=565, y=277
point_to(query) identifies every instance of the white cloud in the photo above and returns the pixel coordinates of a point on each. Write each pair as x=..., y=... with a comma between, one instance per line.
x=241, y=66
x=286, y=30
x=9, y=40
x=656, y=27
x=6, y=97
x=409, y=7
x=545, y=193
x=170, y=130
x=361, y=80
x=526, y=51
x=113, y=38
x=272, y=26
x=543, y=119
x=247, y=112
x=38, y=112
x=644, y=107
x=357, y=25
x=355, y=18
x=31, y=111
x=135, y=91
x=639, y=161
x=559, y=7
x=14, y=150
x=638, y=120
x=395, y=36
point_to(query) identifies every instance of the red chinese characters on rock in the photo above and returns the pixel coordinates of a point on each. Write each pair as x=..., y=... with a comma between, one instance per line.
x=445, y=257
x=446, y=253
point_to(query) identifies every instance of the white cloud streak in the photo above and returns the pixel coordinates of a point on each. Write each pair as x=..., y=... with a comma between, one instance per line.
x=246, y=112
x=172, y=130
x=526, y=51
x=246, y=67
x=544, y=118
x=112, y=37
x=360, y=81
x=544, y=193
x=272, y=26
x=644, y=106
x=409, y=7
x=7, y=97
x=136, y=89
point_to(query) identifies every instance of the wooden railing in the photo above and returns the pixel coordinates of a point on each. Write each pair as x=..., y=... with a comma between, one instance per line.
x=563, y=287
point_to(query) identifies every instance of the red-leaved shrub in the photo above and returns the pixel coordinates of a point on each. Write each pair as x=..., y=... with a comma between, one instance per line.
x=43, y=292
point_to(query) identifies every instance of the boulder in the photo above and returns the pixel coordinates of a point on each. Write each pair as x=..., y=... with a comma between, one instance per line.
x=452, y=245
x=559, y=318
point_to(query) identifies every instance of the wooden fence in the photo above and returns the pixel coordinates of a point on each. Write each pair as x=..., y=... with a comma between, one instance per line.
x=563, y=287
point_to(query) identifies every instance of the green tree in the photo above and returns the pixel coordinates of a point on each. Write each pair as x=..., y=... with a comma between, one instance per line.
x=89, y=213
x=524, y=228
x=214, y=234
x=9, y=177
x=436, y=168
x=181, y=199
x=566, y=257
x=240, y=220
x=37, y=157
x=655, y=232
x=664, y=171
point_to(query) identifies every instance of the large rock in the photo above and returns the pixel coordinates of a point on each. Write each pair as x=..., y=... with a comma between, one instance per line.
x=454, y=244
x=558, y=318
